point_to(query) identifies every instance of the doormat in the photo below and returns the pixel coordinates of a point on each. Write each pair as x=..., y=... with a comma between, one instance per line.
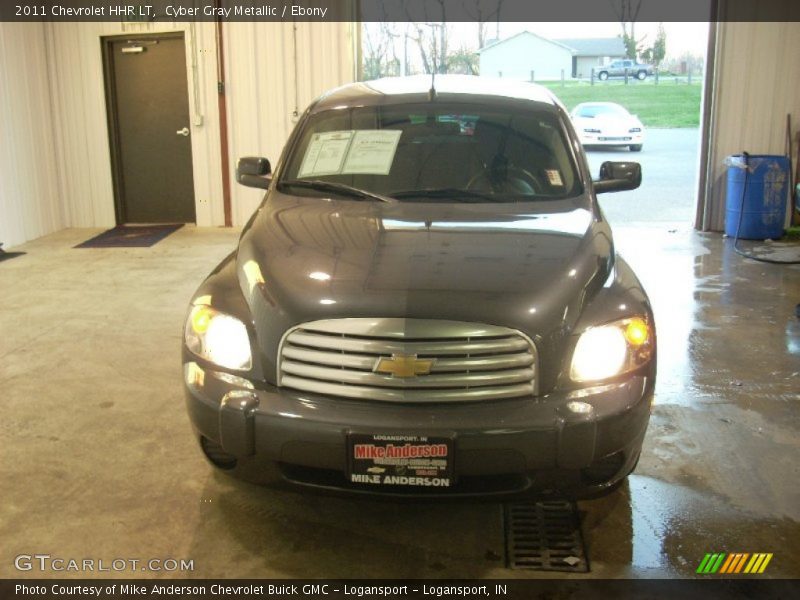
x=130, y=236
x=9, y=255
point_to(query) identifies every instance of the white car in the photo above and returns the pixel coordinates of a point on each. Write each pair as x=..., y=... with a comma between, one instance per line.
x=607, y=124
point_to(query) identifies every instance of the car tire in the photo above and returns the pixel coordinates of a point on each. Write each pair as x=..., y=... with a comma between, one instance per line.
x=641, y=75
x=602, y=76
x=635, y=147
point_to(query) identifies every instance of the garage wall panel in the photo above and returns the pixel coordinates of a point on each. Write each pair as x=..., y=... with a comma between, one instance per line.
x=75, y=69
x=29, y=196
x=55, y=168
x=273, y=72
x=757, y=84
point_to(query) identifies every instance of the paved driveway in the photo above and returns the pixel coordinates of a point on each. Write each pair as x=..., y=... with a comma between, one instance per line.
x=669, y=178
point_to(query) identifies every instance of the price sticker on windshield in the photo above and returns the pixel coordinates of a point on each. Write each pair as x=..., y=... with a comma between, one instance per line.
x=351, y=152
x=325, y=153
x=372, y=152
x=554, y=177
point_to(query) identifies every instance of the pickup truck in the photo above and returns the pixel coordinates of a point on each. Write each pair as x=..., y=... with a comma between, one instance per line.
x=618, y=68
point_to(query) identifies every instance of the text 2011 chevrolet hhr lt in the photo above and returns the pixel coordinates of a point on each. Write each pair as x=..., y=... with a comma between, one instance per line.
x=427, y=301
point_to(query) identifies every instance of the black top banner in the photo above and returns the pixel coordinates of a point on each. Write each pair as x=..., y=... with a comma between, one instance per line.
x=401, y=10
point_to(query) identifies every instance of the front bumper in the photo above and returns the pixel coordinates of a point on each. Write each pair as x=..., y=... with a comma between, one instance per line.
x=509, y=446
x=611, y=139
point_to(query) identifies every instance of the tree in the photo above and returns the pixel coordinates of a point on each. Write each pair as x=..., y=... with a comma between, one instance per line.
x=631, y=47
x=386, y=45
x=464, y=62
x=483, y=12
x=379, y=55
x=686, y=62
x=655, y=54
x=660, y=45
x=627, y=11
x=431, y=40
x=432, y=37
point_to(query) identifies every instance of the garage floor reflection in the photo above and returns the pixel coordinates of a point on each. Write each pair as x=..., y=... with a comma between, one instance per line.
x=98, y=459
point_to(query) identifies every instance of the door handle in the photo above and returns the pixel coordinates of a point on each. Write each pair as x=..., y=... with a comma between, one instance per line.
x=184, y=132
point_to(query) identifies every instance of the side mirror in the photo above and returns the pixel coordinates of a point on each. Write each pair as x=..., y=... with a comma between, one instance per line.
x=618, y=177
x=253, y=171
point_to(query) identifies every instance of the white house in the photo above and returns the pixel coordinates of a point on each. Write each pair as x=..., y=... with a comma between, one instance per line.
x=526, y=56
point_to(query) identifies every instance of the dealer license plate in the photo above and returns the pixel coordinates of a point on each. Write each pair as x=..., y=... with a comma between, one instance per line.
x=400, y=460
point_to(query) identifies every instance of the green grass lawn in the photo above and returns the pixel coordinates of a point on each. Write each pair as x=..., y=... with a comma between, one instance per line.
x=664, y=105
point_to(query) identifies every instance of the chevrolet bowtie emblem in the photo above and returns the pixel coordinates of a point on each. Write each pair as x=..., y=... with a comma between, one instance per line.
x=404, y=365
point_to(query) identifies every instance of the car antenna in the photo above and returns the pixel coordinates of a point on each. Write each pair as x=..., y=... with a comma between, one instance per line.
x=432, y=91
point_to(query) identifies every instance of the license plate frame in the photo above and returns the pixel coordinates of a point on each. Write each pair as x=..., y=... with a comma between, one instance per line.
x=401, y=460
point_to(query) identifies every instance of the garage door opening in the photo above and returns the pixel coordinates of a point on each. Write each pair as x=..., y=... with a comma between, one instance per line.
x=649, y=79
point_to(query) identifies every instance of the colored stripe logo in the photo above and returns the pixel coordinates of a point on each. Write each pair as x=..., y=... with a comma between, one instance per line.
x=734, y=563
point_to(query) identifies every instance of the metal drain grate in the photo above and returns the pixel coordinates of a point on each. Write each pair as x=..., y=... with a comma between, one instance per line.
x=545, y=536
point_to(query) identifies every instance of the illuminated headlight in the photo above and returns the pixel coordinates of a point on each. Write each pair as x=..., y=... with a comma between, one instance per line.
x=610, y=350
x=635, y=130
x=592, y=131
x=218, y=337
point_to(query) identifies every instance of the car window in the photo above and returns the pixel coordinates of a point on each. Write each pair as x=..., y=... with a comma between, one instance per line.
x=398, y=150
x=590, y=111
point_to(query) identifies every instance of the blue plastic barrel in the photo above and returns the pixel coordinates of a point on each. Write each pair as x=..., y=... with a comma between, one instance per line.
x=761, y=202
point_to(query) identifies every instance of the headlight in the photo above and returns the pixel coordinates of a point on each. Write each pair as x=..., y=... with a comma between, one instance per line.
x=218, y=337
x=610, y=350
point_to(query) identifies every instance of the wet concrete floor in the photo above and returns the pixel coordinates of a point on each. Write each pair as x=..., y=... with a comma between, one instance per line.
x=98, y=460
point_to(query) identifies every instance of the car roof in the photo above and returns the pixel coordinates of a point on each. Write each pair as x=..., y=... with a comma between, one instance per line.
x=591, y=104
x=599, y=104
x=416, y=88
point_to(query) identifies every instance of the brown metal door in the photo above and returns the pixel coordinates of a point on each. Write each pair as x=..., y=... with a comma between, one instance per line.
x=150, y=130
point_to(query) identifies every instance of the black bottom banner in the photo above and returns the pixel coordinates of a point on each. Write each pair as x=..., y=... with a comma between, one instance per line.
x=415, y=589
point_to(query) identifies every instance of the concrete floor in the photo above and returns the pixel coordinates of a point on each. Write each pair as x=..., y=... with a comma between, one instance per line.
x=98, y=460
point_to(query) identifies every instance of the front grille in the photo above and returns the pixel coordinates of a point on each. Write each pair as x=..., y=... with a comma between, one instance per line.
x=471, y=362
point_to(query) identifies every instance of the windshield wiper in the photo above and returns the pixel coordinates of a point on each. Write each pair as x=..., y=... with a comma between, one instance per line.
x=339, y=188
x=446, y=193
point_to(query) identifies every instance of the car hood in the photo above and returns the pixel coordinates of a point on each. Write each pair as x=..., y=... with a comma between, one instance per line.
x=530, y=266
x=609, y=122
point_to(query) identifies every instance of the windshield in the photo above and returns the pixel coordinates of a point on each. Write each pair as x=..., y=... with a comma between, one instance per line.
x=595, y=110
x=439, y=152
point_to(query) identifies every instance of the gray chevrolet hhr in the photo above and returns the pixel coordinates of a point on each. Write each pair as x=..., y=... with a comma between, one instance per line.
x=427, y=302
